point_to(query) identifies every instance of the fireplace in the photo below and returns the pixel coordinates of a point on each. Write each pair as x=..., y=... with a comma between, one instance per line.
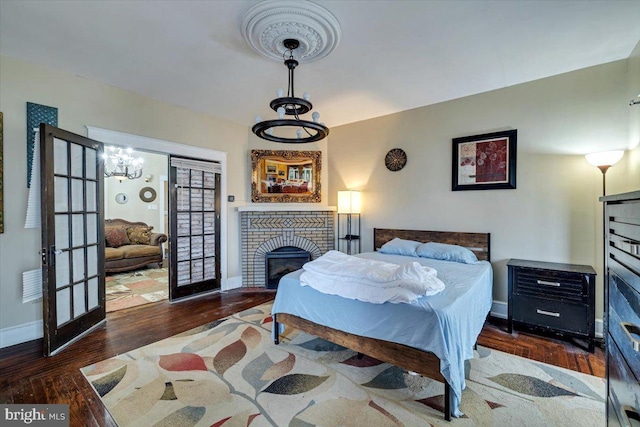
x=282, y=261
x=266, y=227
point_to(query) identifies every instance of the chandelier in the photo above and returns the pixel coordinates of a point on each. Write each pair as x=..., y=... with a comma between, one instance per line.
x=119, y=164
x=290, y=105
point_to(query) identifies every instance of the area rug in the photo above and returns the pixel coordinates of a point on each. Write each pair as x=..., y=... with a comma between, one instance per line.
x=138, y=287
x=229, y=373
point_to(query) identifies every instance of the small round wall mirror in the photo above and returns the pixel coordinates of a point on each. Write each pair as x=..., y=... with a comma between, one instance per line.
x=122, y=198
x=147, y=194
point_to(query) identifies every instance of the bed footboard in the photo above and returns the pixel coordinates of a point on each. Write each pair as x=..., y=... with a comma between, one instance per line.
x=424, y=363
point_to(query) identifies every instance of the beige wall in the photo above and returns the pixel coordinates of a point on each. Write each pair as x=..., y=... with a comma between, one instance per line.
x=136, y=209
x=553, y=215
x=83, y=102
x=632, y=158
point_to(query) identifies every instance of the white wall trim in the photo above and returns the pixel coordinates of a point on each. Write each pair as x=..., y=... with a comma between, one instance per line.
x=499, y=309
x=21, y=333
x=234, y=282
x=161, y=200
x=112, y=137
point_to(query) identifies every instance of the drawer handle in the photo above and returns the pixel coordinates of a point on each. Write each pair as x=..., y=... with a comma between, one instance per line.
x=547, y=283
x=629, y=413
x=547, y=313
x=630, y=328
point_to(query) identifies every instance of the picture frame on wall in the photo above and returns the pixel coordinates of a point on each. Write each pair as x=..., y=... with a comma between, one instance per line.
x=484, y=162
x=285, y=176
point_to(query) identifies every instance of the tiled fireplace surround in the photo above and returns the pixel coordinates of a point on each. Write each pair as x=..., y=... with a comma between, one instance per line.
x=266, y=228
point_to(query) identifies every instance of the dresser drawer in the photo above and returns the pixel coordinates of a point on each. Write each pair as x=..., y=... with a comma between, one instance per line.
x=624, y=390
x=558, y=284
x=624, y=321
x=554, y=314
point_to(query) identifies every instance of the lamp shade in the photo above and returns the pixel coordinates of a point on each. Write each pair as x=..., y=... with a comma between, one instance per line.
x=604, y=158
x=348, y=202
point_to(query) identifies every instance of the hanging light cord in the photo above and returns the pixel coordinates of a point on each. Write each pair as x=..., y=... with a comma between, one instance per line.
x=290, y=88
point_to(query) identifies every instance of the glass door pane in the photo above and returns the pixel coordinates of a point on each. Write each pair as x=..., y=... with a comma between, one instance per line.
x=194, y=217
x=73, y=282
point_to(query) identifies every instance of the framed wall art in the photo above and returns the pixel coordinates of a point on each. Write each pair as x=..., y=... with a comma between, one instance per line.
x=285, y=176
x=484, y=162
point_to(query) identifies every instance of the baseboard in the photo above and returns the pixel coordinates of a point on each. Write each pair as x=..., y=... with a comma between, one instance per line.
x=21, y=333
x=599, y=328
x=233, y=283
x=499, y=310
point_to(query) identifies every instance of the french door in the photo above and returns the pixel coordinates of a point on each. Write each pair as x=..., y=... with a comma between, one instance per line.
x=72, y=206
x=194, y=217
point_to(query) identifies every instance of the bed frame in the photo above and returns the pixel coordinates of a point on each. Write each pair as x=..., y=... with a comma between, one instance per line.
x=424, y=363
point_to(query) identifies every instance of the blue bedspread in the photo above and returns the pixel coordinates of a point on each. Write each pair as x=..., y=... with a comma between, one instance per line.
x=446, y=324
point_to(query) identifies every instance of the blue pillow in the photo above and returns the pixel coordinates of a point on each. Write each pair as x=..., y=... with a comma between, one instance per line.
x=446, y=252
x=400, y=247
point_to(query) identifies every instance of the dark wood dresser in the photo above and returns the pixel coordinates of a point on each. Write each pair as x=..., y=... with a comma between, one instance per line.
x=622, y=299
x=554, y=297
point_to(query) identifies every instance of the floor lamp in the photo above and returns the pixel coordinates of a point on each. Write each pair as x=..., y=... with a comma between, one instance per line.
x=349, y=204
x=604, y=160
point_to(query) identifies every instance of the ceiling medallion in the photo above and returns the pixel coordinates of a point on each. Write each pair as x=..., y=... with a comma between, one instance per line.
x=268, y=24
x=395, y=159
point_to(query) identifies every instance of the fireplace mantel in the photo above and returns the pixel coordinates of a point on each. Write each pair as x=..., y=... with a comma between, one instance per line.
x=289, y=207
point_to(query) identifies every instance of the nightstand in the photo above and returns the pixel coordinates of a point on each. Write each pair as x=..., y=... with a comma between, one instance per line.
x=553, y=297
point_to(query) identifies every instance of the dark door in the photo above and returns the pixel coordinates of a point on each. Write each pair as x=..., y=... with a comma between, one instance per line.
x=194, y=217
x=73, y=289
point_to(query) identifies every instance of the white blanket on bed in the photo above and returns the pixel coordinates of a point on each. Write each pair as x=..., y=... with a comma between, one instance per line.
x=368, y=280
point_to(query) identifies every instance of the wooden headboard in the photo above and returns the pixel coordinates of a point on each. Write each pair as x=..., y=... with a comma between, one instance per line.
x=479, y=243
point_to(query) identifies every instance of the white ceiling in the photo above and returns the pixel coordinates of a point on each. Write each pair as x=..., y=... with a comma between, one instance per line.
x=393, y=55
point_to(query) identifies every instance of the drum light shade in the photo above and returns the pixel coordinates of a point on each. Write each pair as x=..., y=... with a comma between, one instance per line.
x=348, y=202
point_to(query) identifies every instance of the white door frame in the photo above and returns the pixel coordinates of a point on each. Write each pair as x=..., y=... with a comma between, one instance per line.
x=108, y=137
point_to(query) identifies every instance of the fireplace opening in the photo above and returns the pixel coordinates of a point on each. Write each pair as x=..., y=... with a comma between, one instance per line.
x=283, y=261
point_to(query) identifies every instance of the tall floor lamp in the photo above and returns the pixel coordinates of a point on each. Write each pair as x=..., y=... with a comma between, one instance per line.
x=604, y=160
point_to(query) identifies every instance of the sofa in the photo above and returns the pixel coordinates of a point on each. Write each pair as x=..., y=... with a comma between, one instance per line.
x=131, y=245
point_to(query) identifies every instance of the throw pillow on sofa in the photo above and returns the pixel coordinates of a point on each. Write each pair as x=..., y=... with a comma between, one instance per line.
x=139, y=235
x=116, y=237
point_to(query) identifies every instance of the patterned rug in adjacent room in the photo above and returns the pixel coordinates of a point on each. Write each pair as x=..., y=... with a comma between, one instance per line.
x=229, y=373
x=138, y=287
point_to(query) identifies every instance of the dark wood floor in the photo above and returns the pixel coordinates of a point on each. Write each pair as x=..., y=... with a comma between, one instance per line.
x=27, y=377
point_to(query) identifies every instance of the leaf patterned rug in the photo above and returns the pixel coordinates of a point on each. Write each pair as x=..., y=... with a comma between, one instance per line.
x=229, y=373
x=134, y=288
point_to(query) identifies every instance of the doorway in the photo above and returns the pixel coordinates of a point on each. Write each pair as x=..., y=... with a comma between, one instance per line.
x=137, y=260
x=165, y=148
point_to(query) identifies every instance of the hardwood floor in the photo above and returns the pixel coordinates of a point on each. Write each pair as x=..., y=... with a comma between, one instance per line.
x=548, y=349
x=27, y=377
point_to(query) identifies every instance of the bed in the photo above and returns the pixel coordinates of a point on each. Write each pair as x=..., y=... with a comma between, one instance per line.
x=433, y=336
